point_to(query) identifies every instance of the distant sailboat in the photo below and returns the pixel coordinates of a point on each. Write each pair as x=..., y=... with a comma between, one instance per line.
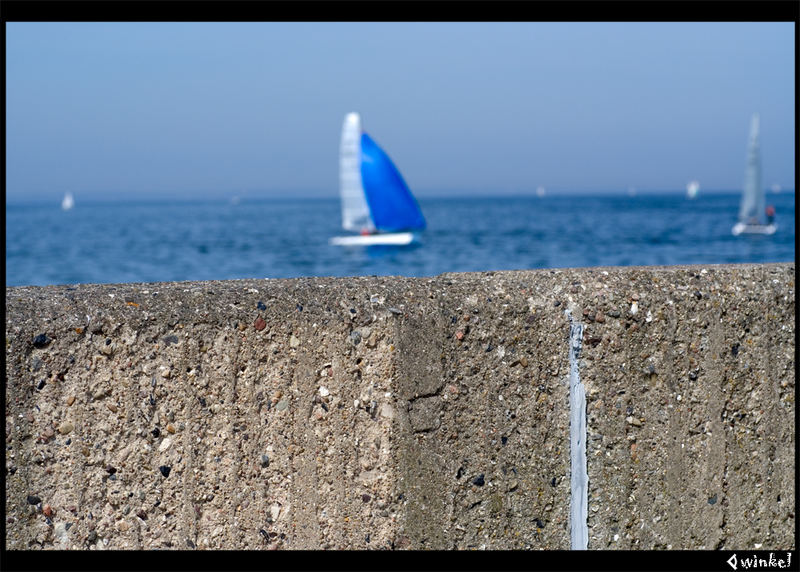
x=376, y=201
x=752, y=218
x=67, y=202
x=691, y=189
x=540, y=192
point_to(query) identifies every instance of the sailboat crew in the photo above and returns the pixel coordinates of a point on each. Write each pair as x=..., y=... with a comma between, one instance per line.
x=770, y=214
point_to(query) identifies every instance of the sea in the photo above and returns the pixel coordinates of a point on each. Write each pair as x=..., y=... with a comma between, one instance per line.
x=162, y=241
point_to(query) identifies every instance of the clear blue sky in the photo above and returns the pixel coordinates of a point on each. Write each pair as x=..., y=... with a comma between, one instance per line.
x=119, y=110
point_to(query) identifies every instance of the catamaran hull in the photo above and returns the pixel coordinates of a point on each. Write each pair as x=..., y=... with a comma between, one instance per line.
x=742, y=228
x=389, y=238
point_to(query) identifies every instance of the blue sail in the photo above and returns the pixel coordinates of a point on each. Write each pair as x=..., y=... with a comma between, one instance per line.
x=391, y=204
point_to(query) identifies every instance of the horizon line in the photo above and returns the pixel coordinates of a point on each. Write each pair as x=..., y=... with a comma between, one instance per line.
x=94, y=198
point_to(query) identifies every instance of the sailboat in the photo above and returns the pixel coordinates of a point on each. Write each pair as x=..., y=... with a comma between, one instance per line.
x=376, y=202
x=691, y=189
x=67, y=202
x=751, y=209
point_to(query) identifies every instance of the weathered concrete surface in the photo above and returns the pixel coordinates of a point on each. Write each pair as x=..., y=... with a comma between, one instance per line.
x=402, y=413
x=691, y=411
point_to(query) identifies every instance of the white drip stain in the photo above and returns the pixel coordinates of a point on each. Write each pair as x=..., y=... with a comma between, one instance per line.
x=579, y=477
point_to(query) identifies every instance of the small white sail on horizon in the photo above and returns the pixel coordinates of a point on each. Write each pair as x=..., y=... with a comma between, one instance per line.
x=691, y=189
x=67, y=202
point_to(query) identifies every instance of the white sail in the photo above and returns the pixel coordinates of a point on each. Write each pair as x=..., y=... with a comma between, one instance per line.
x=68, y=202
x=355, y=211
x=692, y=188
x=751, y=208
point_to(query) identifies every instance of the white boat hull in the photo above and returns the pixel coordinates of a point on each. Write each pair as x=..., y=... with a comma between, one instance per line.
x=742, y=228
x=389, y=238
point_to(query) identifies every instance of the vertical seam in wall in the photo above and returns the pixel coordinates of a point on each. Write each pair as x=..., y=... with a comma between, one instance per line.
x=579, y=477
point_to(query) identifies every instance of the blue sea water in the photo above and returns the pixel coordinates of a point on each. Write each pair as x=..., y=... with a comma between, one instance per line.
x=155, y=242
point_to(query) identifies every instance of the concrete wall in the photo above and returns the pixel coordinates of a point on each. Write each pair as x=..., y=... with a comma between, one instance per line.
x=403, y=413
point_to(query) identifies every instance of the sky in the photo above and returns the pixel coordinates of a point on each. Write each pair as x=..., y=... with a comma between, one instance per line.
x=254, y=109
